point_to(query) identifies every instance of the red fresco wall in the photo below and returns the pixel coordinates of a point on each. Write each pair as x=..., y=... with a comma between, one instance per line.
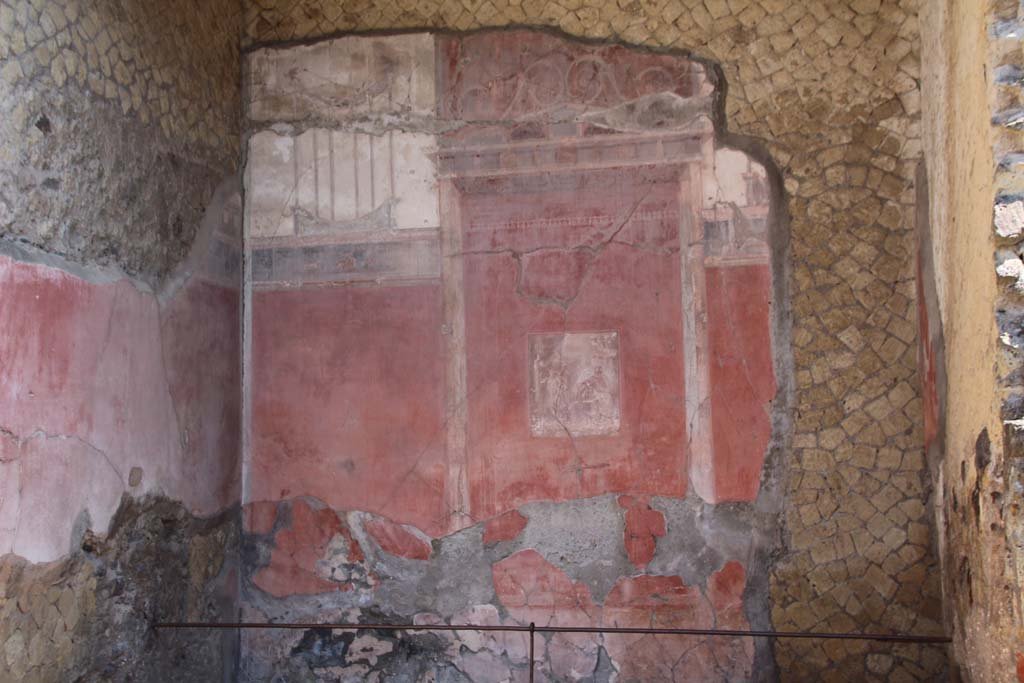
x=103, y=390
x=742, y=378
x=538, y=345
x=614, y=268
x=348, y=399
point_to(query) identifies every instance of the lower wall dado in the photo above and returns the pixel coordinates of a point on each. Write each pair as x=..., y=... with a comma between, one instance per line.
x=618, y=561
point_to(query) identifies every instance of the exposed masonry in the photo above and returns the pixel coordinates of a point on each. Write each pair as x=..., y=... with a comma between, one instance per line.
x=140, y=101
x=88, y=615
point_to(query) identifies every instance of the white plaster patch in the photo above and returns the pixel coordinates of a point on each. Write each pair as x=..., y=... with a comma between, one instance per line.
x=731, y=180
x=59, y=478
x=369, y=649
x=1008, y=264
x=326, y=182
x=416, y=194
x=735, y=211
x=344, y=77
x=10, y=495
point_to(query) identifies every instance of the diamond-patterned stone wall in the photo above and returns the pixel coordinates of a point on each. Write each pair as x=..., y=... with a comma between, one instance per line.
x=117, y=121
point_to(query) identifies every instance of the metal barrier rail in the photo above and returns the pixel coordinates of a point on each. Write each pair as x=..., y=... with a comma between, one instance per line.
x=533, y=629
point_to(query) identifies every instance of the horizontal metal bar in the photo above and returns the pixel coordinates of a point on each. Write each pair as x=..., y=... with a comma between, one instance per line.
x=727, y=633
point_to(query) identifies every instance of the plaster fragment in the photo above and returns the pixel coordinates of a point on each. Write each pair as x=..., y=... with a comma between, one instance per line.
x=1009, y=219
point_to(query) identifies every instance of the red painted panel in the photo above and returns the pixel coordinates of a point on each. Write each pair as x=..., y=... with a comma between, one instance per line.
x=642, y=529
x=295, y=563
x=725, y=592
x=259, y=517
x=616, y=234
x=348, y=391
x=113, y=384
x=398, y=539
x=533, y=589
x=659, y=602
x=84, y=359
x=510, y=75
x=742, y=377
x=504, y=527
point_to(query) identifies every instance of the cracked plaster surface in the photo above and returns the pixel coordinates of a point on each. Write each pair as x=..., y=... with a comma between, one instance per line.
x=831, y=89
x=312, y=309
x=853, y=61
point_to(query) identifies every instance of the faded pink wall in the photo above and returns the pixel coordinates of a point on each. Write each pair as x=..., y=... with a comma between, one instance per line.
x=105, y=390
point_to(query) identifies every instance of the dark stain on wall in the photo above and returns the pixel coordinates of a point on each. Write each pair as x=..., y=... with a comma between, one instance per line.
x=89, y=617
